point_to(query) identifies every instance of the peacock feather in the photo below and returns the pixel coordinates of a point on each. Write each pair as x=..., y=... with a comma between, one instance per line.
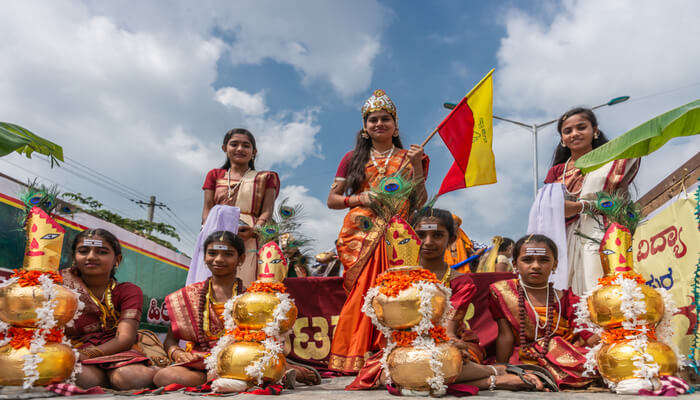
x=391, y=195
x=364, y=223
x=613, y=207
x=38, y=195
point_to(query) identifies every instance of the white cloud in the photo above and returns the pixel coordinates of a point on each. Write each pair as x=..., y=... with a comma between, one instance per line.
x=582, y=53
x=250, y=104
x=596, y=49
x=320, y=223
x=133, y=95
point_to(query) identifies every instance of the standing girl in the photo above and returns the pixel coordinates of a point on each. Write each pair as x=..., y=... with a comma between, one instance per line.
x=196, y=311
x=238, y=184
x=378, y=153
x=106, y=330
x=579, y=134
x=536, y=321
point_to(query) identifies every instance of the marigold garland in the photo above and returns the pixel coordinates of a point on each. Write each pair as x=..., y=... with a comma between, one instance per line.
x=616, y=335
x=403, y=338
x=391, y=283
x=247, y=335
x=22, y=337
x=439, y=334
x=608, y=280
x=31, y=278
x=267, y=287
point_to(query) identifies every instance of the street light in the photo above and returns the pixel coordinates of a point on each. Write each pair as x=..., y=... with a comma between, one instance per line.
x=536, y=127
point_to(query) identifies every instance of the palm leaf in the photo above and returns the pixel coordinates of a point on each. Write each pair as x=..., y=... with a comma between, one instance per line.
x=16, y=138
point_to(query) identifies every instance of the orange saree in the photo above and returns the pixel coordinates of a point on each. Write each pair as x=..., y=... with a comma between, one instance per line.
x=355, y=338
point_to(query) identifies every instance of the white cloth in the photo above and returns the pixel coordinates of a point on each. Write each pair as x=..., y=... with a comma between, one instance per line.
x=220, y=218
x=547, y=218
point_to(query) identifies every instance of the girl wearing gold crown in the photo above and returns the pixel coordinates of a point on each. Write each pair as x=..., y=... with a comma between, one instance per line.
x=195, y=311
x=579, y=134
x=106, y=330
x=378, y=153
x=536, y=321
x=238, y=184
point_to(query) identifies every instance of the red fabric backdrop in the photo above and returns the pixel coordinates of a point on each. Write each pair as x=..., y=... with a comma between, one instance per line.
x=319, y=301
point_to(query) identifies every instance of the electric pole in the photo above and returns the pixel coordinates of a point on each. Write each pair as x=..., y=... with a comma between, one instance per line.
x=151, y=206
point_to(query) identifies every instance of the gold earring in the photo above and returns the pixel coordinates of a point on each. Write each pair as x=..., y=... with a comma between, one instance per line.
x=396, y=133
x=364, y=134
x=595, y=136
x=563, y=145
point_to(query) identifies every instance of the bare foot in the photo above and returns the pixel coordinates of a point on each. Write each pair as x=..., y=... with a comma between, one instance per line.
x=513, y=382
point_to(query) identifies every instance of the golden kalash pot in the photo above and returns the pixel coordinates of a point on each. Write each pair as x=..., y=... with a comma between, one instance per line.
x=409, y=367
x=18, y=305
x=403, y=311
x=57, y=362
x=235, y=358
x=253, y=311
x=616, y=360
x=604, y=306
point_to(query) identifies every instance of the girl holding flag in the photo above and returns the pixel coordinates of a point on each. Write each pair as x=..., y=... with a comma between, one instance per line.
x=378, y=153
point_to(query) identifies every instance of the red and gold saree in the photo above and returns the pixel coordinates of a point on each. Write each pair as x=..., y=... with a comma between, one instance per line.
x=562, y=358
x=197, y=320
x=97, y=324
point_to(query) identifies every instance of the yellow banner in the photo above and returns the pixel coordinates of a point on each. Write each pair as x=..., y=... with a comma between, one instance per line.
x=666, y=249
x=481, y=169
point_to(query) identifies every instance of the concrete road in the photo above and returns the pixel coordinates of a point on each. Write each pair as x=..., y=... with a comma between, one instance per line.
x=333, y=389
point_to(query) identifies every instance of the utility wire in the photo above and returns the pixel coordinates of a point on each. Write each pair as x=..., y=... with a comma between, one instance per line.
x=93, y=171
x=55, y=183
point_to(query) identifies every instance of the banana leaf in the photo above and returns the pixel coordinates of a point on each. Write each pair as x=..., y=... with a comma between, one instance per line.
x=15, y=138
x=646, y=138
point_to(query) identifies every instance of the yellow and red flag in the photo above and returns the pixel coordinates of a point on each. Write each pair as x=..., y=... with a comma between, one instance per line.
x=468, y=133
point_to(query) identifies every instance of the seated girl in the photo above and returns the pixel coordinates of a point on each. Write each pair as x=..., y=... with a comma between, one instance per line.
x=535, y=321
x=436, y=231
x=106, y=330
x=195, y=311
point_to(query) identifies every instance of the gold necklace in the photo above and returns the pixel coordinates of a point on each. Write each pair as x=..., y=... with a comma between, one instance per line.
x=205, y=313
x=106, y=309
x=382, y=170
x=446, y=276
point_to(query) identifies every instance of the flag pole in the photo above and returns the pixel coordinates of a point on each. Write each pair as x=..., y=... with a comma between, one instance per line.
x=430, y=136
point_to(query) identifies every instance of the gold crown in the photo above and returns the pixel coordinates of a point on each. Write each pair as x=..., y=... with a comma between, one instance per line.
x=44, y=242
x=379, y=101
x=402, y=243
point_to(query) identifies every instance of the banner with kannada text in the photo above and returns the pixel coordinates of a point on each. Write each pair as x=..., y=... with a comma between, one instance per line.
x=666, y=249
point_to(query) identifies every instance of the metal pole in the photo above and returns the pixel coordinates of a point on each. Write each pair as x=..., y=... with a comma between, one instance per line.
x=534, y=154
x=151, y=206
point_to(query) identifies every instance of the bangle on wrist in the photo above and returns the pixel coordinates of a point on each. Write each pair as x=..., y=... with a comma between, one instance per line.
x=492, y=383
x=172, y=351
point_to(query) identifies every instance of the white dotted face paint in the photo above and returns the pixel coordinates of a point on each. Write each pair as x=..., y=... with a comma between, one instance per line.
x=535, y=251
x=92, y=242
x=427, y=227
x=219, y=247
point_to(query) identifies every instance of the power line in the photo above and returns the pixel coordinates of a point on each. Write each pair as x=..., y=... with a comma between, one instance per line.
x=55, y=182
x=88, y=169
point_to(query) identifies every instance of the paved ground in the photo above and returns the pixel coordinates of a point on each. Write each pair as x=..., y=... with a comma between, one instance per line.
x=333, y=389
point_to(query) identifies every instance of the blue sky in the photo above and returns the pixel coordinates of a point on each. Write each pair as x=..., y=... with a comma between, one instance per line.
x=143, y=92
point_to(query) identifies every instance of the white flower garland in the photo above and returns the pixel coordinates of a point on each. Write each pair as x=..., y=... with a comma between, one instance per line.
x=632, y=306
x=279, y=315
x=229, y=324
x=273, y=348
x=8, y=282
x=78, y=310
x=426, y=292
x=368, y=310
